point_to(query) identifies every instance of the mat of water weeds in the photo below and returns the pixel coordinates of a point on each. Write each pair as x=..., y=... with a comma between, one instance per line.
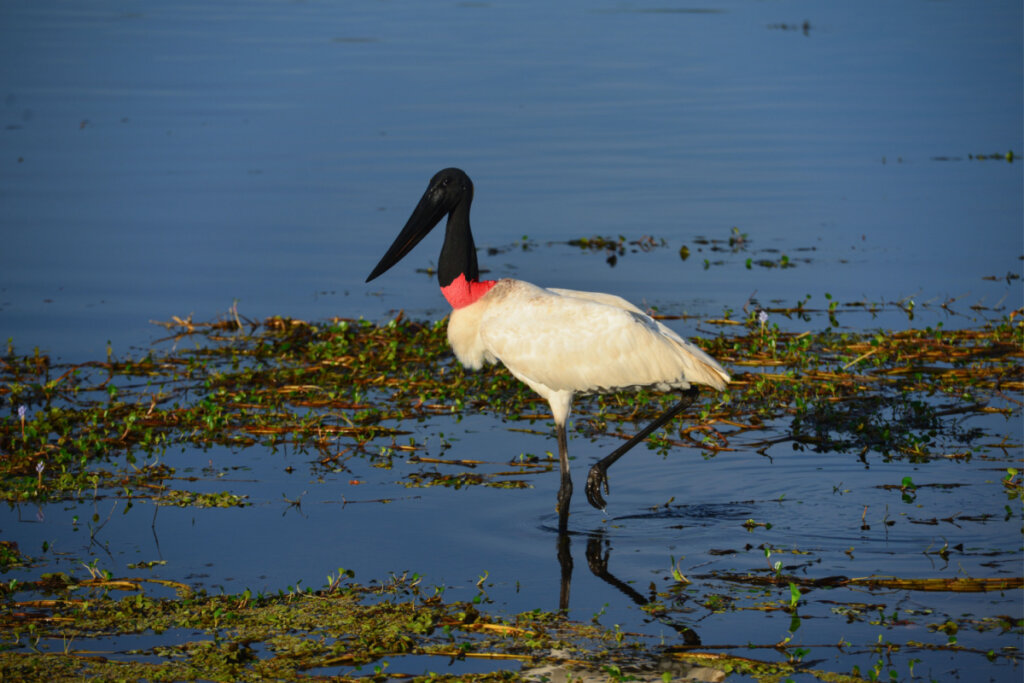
x=892, y=552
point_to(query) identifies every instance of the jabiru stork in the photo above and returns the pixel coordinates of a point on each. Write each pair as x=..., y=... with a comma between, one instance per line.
x=559, y=342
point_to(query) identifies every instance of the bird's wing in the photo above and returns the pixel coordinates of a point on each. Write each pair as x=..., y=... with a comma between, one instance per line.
x=585, y=342
x=599, y=297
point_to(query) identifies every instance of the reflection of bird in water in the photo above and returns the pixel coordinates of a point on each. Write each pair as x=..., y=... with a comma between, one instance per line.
x=597, y=561
x=598, y=552
x=559, y=342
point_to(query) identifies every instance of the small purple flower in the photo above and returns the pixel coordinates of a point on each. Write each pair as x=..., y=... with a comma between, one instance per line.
x=21, y=413
x=40, y=467
x=762, y=317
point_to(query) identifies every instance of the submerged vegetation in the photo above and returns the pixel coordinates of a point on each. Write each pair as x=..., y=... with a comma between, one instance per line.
x=344, y=631
x=343, y=627
x=350, y=389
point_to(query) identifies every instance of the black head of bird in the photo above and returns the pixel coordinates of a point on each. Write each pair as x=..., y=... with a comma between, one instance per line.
x=450, y=193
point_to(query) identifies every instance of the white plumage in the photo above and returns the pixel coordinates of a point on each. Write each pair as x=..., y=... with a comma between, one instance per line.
x=561, y=340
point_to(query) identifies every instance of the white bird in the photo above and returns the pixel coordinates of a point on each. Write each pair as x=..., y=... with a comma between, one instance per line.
x=559, y=342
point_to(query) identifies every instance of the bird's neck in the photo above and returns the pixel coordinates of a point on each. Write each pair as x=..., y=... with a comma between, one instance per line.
x=457, y=270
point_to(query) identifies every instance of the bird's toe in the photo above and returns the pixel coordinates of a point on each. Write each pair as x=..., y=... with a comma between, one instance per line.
x=596, y=479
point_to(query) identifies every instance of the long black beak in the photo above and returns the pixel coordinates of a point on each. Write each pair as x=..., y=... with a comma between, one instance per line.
x=427, y=214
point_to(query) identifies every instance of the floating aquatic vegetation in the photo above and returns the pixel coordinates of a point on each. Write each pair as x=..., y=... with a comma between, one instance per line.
x=343, y=389
x=343, y=385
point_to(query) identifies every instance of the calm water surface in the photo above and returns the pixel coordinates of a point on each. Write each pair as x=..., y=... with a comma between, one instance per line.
x=171, y=159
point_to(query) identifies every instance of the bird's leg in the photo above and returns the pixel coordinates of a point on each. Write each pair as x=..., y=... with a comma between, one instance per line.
x=565, y=487
x=597, y=478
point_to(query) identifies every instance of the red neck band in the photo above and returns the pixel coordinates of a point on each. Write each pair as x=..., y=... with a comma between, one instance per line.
x=462, y=292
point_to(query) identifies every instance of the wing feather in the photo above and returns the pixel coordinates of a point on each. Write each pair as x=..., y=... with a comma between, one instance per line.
x=589, y=342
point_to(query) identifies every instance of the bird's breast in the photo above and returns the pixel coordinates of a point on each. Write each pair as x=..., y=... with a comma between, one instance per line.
x=464, y=326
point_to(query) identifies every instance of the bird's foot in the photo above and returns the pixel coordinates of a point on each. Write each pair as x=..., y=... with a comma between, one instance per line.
x=597, y=479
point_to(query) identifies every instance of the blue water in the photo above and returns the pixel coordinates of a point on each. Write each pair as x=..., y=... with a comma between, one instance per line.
x=170, y=159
